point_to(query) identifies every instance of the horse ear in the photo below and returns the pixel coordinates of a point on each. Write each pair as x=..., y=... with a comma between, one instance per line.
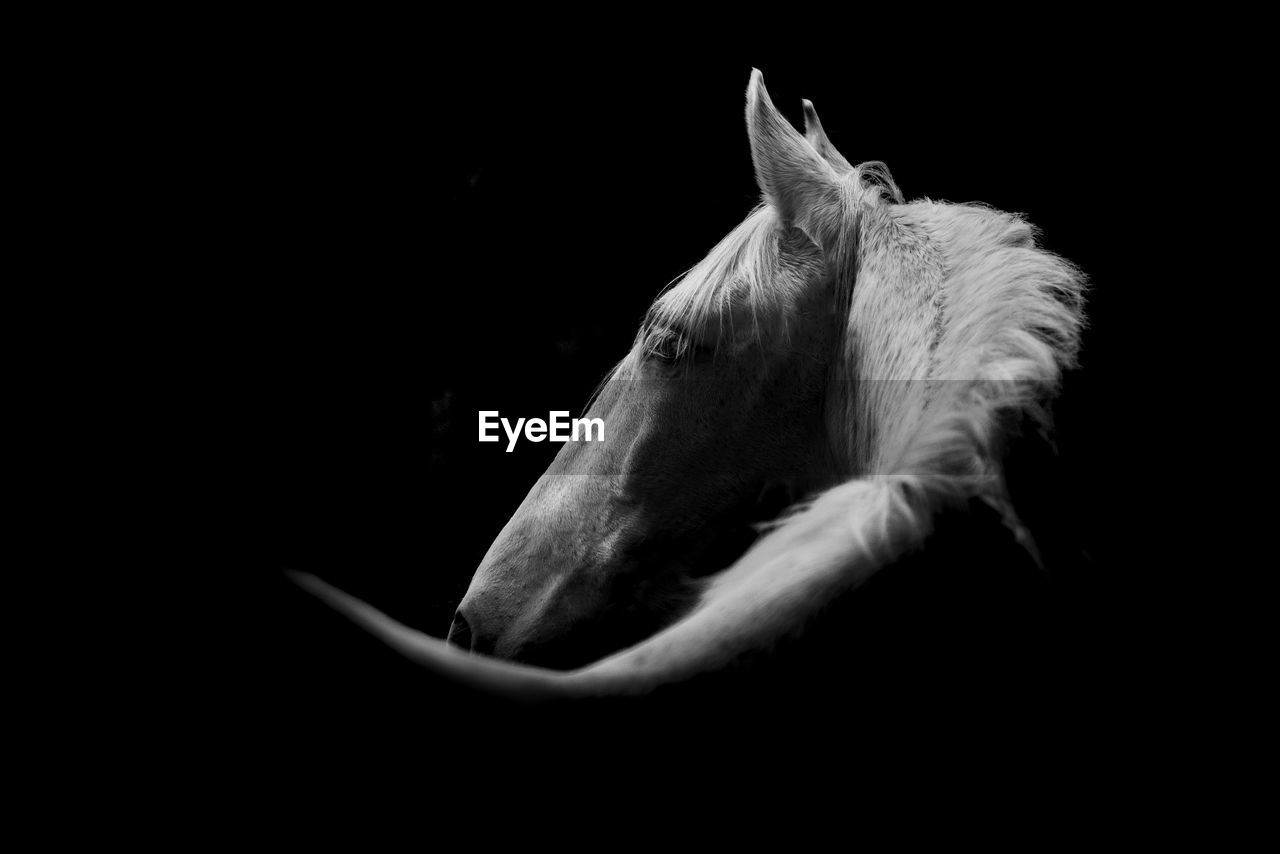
x=817, y=137
x=793, y=177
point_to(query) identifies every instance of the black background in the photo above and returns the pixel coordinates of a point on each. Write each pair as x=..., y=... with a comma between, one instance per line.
x=404, y=240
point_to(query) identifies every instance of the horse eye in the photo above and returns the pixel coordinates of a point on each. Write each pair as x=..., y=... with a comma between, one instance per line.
x=666, y=345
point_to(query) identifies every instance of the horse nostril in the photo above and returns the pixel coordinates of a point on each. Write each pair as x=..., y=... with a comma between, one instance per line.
x=460, y=632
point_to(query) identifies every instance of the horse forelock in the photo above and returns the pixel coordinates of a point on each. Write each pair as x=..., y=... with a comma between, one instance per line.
x=737, y=273
x=743, y=270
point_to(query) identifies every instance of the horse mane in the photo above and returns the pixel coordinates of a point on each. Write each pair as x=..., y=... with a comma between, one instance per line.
x=958, y=325
x=957, y=317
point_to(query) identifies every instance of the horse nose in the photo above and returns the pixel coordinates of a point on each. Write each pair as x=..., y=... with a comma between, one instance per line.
x=460, y=631
x=465, y=634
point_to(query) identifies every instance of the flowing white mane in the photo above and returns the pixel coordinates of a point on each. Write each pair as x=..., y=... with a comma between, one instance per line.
x=957, y=323
x=954, y=315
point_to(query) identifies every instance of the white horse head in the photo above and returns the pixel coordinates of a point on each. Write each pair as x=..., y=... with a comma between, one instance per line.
x=841, y=353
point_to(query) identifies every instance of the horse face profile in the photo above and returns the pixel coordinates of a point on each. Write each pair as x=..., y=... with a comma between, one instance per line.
x=713, y=423
x=844, y=366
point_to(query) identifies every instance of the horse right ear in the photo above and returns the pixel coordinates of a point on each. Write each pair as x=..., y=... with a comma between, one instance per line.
x=795, y=179
x=818, y=139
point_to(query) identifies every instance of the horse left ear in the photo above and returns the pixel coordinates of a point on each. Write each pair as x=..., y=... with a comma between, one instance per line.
x=793, y=176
